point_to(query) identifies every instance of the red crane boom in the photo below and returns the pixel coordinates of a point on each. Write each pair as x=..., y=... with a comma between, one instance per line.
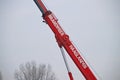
x=64, y=41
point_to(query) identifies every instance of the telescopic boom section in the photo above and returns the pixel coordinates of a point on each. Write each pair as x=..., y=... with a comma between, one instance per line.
x=41, y=6
x=64, y=41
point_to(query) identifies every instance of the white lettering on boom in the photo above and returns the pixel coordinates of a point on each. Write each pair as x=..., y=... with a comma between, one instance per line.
x=56, y=24
x=84, y=65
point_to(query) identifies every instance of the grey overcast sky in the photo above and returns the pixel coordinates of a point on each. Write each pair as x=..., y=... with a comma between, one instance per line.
x=93, y=25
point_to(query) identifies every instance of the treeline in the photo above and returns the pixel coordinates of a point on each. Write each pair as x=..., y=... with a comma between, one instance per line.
x=30, y=71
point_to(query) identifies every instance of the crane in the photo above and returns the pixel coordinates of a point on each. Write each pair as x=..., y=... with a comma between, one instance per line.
x=64, y=41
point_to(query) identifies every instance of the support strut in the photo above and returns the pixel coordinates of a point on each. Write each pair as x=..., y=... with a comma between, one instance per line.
x=66, y=63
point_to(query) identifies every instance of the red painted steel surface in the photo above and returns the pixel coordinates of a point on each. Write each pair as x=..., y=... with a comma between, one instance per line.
x=42, y=5
x=67, y=44
x=70, y=76
x=63, y=40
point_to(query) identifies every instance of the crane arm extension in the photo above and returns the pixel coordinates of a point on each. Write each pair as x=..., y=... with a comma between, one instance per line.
x=63, y=40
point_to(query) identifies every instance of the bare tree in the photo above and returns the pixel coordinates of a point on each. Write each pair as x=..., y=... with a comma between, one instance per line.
x=30, y=71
